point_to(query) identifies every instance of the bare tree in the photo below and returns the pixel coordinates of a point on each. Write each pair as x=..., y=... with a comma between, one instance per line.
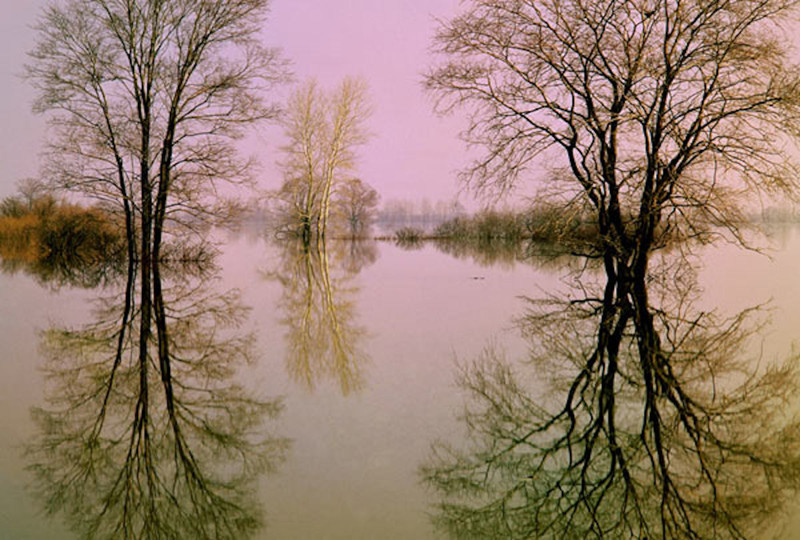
x=356, y=205
x=348, y=113
x=324, y=131
x=137, y=445
x=323, y=337
x=30, y=193
x=145, y=97
x=304, y=122
x=577, y=441
x=660, y=114
x=662, y=117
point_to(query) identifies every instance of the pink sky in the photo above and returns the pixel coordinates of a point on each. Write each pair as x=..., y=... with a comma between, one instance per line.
x=413, y=153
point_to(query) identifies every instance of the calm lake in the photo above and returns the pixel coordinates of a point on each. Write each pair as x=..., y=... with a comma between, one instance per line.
x=361, y=344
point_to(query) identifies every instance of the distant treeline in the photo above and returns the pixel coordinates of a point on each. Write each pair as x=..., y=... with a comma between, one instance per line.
x=396, y=214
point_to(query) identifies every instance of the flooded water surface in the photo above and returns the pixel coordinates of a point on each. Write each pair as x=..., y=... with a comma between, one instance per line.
x=305, y=387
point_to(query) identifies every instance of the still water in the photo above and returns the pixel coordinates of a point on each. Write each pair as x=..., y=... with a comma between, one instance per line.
x=353, y=354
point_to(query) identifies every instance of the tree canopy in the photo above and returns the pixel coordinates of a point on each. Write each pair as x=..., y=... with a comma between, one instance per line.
x=145, y=98
x=648, y=111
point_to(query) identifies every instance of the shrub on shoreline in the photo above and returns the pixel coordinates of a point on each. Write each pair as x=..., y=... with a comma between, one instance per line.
x=46, y=229
x=542, y=223
x=409, y=235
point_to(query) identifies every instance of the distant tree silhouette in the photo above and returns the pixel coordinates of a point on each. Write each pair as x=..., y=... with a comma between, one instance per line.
x=355, y=204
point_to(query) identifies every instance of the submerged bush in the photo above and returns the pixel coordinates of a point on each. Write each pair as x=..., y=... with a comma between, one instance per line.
x=408, y=235
x=51, y=238
x=486, y=225
x=87, y=233
x=547, y=224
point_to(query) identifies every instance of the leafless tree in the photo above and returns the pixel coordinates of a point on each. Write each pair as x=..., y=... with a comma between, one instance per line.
x=349, y=111
x=164, y=444
x=324, y=339
x=304, y=124
x=355, y=203
x=323, y=130
x=661, y=115
x=146, y=97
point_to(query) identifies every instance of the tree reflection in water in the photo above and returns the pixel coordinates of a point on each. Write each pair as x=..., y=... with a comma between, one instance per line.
x=322, y=335
x=675, y=433
x=161, y=443
x=66, y=269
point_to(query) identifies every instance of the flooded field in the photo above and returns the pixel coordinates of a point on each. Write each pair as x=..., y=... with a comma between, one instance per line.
x=349, y=355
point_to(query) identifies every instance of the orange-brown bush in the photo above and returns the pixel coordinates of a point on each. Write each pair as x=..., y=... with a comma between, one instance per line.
x=45, y=228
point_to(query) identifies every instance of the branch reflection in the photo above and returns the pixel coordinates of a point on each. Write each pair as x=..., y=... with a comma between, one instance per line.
x=508, y=253
x=157, y=441
x=621, y=424
x=324, y=340
x=57, y=270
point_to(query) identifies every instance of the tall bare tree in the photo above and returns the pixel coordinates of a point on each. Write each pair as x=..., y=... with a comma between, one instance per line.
x=348, y=113
x=304, y=124
x=323, y=130
x=662, y=117
x=655, y=113
x=146, y=97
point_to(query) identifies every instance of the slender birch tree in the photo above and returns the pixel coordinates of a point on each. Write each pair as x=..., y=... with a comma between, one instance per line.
x=304, y=123
x=345, y=132
x=323, y=131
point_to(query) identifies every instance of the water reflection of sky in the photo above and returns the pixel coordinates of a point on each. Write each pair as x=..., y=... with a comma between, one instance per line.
x=354, y=459
x=353, y=466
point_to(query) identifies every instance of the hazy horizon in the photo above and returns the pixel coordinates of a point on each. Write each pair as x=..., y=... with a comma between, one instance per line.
x=413, y=154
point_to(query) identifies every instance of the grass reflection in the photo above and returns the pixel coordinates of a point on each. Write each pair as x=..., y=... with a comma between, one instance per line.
x=500, y=252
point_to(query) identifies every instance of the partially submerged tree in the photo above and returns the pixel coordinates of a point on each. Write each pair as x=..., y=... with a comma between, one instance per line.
x=346, y=131
x=663, y=118
x=324, y=131
x=653, y=112
x=356, y=203
x=304, y=125
x=145, y=98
